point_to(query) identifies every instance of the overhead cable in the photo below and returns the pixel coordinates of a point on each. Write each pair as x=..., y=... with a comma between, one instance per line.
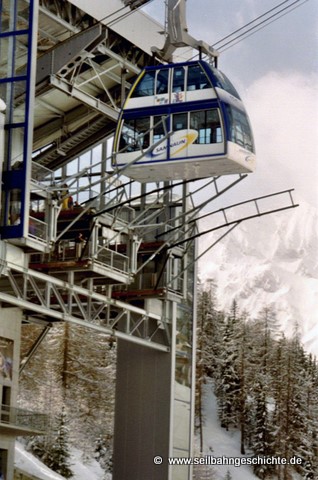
x=251, y=22
x=260, y=25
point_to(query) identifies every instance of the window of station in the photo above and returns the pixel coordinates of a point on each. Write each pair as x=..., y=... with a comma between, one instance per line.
x=135, y=134
x=5, y=405
x=208, y=125
x=15, y=206
x=6, y=361
x=85, y=168
x=197, y=79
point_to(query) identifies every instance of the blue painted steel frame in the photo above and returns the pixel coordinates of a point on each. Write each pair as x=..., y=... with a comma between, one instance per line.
x=17, y=179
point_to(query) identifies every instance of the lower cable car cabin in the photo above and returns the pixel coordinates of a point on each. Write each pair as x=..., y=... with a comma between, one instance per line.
x=183, y=121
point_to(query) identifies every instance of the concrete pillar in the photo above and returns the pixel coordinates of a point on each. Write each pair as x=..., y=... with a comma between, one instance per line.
x=10, y=330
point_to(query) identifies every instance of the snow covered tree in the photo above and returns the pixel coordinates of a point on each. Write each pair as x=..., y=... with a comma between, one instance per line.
x=303, y=409
x=264, y=330
x=228, y=381
x=54, y=449
x=73, y=368
x=90, y=381
x=262, y=434
x=209, y=321
x=59, y=459
x=311, y=458
x=294, y=395
x=209, y=327
x=37, y=446
x=103, y=452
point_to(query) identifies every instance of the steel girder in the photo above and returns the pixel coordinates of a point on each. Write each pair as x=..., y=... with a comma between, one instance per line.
x=46, y=299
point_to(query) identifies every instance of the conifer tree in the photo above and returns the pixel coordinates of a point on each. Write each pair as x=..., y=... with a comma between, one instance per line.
x=59, y=460
x=243, y=375
x=79, y=374
x=228, y=377
x=303, y=410
x=103, y=452
x=208, y=329
x=208, y=326
x=278, y=394
x=262, y=435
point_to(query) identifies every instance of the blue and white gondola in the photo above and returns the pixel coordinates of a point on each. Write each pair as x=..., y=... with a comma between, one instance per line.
x=183, y=121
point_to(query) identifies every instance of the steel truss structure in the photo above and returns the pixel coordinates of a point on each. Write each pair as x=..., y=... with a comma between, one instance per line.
x=80, y=242
x=82, y=75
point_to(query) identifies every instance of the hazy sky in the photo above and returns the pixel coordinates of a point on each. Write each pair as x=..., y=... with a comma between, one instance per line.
x=276, y=72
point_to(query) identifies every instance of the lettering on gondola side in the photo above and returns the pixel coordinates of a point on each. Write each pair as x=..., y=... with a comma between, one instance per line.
x=179, y=141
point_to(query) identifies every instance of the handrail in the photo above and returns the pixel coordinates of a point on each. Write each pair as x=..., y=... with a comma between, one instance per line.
x=19, y=417
x=38, y=229
x=113, y=259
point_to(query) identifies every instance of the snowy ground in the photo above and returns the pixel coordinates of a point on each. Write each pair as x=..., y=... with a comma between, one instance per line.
x=220, y=443
x=90, y=470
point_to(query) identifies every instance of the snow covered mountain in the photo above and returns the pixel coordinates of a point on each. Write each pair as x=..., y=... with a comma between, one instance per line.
x=270, y=261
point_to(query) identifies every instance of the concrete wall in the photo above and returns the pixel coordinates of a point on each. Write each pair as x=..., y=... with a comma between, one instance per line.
x=142, y=417
x=10, y=330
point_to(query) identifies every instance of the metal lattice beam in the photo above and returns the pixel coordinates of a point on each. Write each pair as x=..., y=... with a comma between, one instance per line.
x=45, y=298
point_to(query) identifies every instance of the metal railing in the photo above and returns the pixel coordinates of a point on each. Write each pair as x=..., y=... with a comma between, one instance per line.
x=152, y=281
x=42, y=174
x=18, y=417
x=38, y=229
x=112, y=259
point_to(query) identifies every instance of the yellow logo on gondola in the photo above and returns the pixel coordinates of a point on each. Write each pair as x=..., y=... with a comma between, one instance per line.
x=178, y=141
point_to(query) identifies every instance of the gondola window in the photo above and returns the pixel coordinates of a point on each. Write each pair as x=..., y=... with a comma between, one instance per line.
x=162, y=81
x=135, y=134
x=207, y=123
x=240, y=131
x=197, y=79
x=178, y=80
x=146, y=86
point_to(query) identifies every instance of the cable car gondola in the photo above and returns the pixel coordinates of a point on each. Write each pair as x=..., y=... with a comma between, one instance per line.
x=183, y=121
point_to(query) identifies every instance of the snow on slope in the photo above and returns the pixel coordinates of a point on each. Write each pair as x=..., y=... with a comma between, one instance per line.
x=219, y=443
x=30, y=464
x=271, y=260
x=89, y=470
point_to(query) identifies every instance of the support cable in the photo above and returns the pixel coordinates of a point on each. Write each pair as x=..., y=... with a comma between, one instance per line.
x=264, y=23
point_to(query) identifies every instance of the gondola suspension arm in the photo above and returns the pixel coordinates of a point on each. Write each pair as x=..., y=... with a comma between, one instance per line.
x=177, y=34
